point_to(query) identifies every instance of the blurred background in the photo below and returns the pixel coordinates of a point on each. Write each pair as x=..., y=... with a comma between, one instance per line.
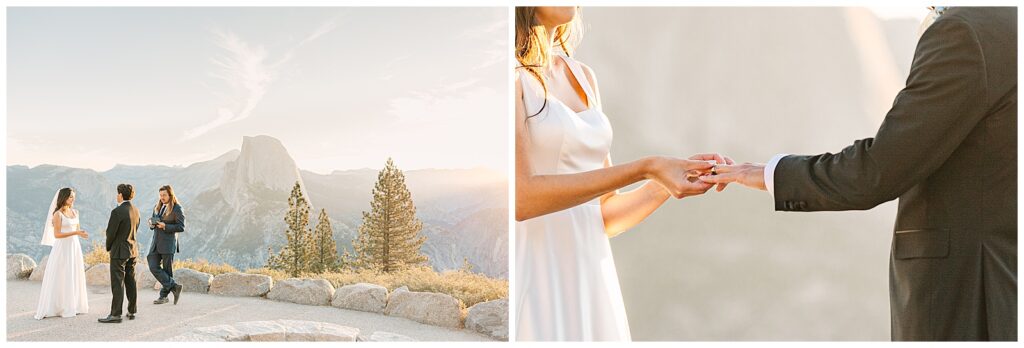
x=750, y=83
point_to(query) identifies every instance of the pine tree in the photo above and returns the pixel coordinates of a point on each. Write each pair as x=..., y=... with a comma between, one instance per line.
x=296, y=255
x=325, y=250
x=347, y=261
x=466, y=266
x=389, y=237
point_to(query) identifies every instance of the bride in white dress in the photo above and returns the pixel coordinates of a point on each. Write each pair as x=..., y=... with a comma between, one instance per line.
x=567, y=204
x=63, y=292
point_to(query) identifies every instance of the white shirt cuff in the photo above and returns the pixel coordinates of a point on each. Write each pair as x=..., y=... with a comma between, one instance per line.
x=769, y=173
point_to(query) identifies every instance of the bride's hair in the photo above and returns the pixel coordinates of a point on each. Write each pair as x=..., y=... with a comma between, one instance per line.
x=170, y=202
x=62, y=198
x=533, y=46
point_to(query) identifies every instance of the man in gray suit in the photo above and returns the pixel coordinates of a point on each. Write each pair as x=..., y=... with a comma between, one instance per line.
x=167, y=221
x=948, y=150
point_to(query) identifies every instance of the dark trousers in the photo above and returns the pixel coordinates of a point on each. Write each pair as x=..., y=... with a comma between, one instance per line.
x=122, y=282
x=160, y=265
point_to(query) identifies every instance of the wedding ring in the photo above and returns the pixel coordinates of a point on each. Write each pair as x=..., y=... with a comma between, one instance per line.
x=714, y=169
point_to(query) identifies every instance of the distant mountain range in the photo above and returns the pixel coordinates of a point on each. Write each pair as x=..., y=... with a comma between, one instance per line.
x=235, y=203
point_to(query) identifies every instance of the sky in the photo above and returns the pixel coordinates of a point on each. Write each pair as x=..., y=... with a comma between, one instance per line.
x=896, y=12
x=342, y=88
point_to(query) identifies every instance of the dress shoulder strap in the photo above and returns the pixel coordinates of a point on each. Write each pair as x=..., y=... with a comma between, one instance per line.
x=581, y=78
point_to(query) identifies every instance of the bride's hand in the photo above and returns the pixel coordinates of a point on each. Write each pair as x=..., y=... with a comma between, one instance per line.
x=674, y=175
x=83, y=234
x=719, y=159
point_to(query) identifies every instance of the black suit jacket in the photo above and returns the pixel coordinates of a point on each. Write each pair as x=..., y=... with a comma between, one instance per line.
x=121, y=228
x=165, y=240
x=948, y=150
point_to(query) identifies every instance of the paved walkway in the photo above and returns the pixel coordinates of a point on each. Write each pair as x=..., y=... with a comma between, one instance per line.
x=159, y=322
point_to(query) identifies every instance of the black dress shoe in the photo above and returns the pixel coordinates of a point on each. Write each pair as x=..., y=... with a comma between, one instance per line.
x=111, y=319
x=161, y=300
x=131, y=316
x=176, y=292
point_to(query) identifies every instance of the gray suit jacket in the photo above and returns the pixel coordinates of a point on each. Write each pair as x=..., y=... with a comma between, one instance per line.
x=948, y=150
x=165, y=240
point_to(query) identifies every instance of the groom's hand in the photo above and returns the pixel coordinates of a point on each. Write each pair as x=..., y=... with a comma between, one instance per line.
x=748, y=174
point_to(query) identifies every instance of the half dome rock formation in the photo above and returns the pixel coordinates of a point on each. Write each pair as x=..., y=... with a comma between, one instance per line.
x=263, y=163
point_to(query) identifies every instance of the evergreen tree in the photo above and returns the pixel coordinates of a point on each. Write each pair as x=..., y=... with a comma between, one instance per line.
x=325, y=249
x=296, y=255
x=347, y=261
x=466, y=266
x=389, y=237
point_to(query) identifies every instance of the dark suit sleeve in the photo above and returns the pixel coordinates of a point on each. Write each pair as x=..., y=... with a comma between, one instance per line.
x=112, y=228
x=179, y=221
x=945, y=98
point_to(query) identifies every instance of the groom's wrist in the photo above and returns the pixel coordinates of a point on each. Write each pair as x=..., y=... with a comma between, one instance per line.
x=769, y=173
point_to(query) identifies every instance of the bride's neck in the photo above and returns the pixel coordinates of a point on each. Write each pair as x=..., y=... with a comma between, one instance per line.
x=551, y=40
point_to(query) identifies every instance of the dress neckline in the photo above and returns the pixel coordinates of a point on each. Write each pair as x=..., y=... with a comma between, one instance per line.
x=62, y=214
x=585, y=85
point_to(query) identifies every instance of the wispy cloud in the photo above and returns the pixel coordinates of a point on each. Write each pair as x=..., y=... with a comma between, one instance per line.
x=390, y=68
x=495, y=32
x=457, y=86
x=248, y=71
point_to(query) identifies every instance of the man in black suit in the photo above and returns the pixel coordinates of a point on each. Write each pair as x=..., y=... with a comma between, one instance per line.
x=948, y=150
x=124, y=222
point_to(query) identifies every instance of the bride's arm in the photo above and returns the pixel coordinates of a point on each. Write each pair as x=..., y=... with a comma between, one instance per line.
x=622, y=211
x=538, y=195
x=56, y=228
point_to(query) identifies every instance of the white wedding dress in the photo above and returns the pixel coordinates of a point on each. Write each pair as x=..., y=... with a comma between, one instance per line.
x=566, y=285
x=63, y=292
